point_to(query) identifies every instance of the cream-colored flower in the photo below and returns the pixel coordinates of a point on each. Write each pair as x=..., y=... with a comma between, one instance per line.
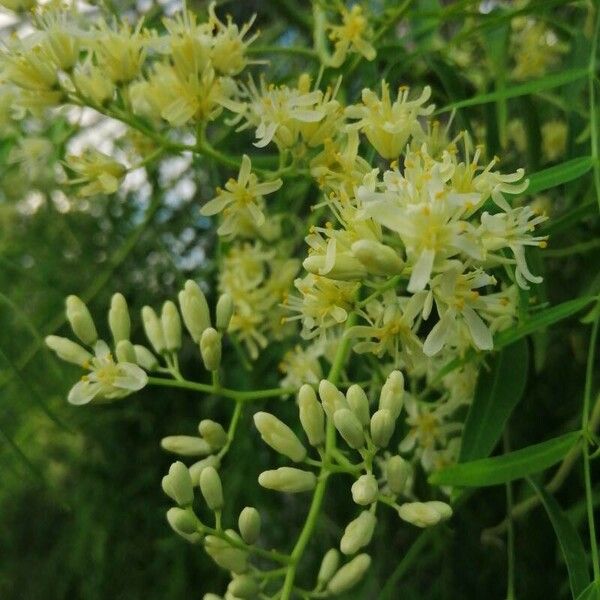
x=352, y=35
x=97, y=172
x=554, y=139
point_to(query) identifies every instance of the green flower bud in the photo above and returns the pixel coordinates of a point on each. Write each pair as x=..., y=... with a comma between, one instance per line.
x=378, y=258
x=345, y=268
x=118, y=318
x=279, y=436
x=244, y=587
x=184, y=523
x=224, y=311
x=171, y=326
x=224, y=554
x=153, y=329
x=249, y=525
x=145, y=358
x=194, y=309
x=392, y=394
x=196, y=469
x=358, y=533
x=398, y=471
x=424, y=514
x=68, y=350
x=178, y=484
x=331, y=398
x=359, y=403
x=365, y=490
x=125, y=352
x=382, y=427
x=211, y=488
x=349, y=575
x=312, y=416
x=80, y=320
x=210, y=349
x=350, y=429
x=288, y=479
x=185, y=445
x=213, y=433
x=329, y=565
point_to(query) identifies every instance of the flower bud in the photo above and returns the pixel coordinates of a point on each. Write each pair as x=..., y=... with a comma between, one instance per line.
x=424, y=514
x=184, y=524
x=345, y=267
x=279, y=436
x=196, y=469
x=249, y=525
x=153, y=329
x=244, y=587
x=331, y=398
x=365, y=490
x=359, y=404
x=213, y=433
x=125, y=352
x=358, y=533
x=288, y=479
x=185, y=445
x=80, y=320
x=382, y=428
x=329, y=565
x=211, y=488
x=378, y=258
x=398, y=472
x=224, y=311
x=211, y=597
x=68, y=350
x=349, y=575
x=350, y=429
x=194, y=309
x=210, y=349
x=392, y=394
x=224, y=554
x=178, y=484
x=118, y=318
x=145, y=358
x=312, y=416
x=171, y=326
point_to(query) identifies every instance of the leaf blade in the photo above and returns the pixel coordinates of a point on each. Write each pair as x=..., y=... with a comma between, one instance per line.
x=559, y=174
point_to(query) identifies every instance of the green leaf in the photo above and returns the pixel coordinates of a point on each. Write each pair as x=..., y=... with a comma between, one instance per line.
x=514, y=465
x=559, y=174
x=592, y=592
x=569, y=540
x=498, y=391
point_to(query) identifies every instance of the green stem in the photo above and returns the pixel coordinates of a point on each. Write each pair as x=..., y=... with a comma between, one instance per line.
x=593, y=113
x=580, y=248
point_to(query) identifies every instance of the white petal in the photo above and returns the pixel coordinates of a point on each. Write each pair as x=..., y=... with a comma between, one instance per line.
x=439, y=334
x=421, y=272
x=131, y=377
x=482, y=337
x=83, y=392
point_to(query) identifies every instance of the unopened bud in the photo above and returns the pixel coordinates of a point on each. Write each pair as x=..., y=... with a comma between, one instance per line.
x=398, y=471
x=196, y=469
x=186, y=445
x=153, y=329
x=424, y=514
x=194, y=309
x=331, y=398
x=359, y=403
x=249, y=525
x=345, y=267
x=178, y=484
x=184, y=524
x=279, y=436
x=329, y=565
x=349, y=575
x=125, y=352
x=213, y=433
x=312, y=416
x=382, y=427
x=211, y=488
x=365, y=490
x=118, y=318
x=68, y=350
x=171, y=326
x=378, y=258
x=350, y=429
x=288, y=479
x=358, y=533
x=210, y=349
x=392, y=394
x=224, y=554
x=224, y=311
x=81, y=321
x=145, y=358
x=244, y=587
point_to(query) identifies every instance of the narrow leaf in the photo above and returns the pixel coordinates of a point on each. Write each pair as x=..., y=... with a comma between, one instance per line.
x=592, y=592
x=559, y=174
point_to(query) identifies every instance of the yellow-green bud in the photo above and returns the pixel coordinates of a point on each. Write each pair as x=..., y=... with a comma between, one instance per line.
x=378, y=258
x=211, y=488
x=211, y=597
x=349, y=575
x=125, y=352
x=68, y=350
x=184, y=524
x=279, y=436
x=213, y=433
x=153, y=329
x=224, y=554
x=365, y=490
x=194, y=309
x=186, y=445
x=359, y=403
x=331, y=398
x=118, y=318
x=398, y=471
x=196, y=469
x=392, y=394
x=224, y=311
x=244, y=587
x=145, y=358
x=382, y=427
x=329, y=565
x=350, y=429
x=288, y=479
x=80, y=320
x=249, y=525
x=312, y=416
x=345, y=267
x=171, y=326
x=210, y=349
x=358, y=533
x=178, y=484
x=424, y=514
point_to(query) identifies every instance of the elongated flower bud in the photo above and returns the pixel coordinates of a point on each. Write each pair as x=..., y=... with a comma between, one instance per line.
x=359, y=404
x=329, y=565
x=196, y=469
x=211, y=488
x=125, y=352
x=424, y=514
x=178, y=484
x=153, y=329
x=249, y=525
x=397, y=471
x=331, y=398
x=365, y=490
x=279, y=436
x=312, y=416
x=184, y=524
x=118, y=318
x=194, y=309
x=185, y=445
x=358, y=533
x=224, y=554
x=210, y=349
x=288, y=479
x=345, y=267
x=350, y=429
x=213, y=433
x=244, y=587
x=68, y=350
x=378, y=258
x=171, y=326
x=81, y=321
x=145, y=358
x=349, y=575
x=224, y=311
x=382, y=427
x=392, y=394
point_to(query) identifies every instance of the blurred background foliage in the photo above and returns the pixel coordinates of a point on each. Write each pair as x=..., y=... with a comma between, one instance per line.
x=81, y=509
